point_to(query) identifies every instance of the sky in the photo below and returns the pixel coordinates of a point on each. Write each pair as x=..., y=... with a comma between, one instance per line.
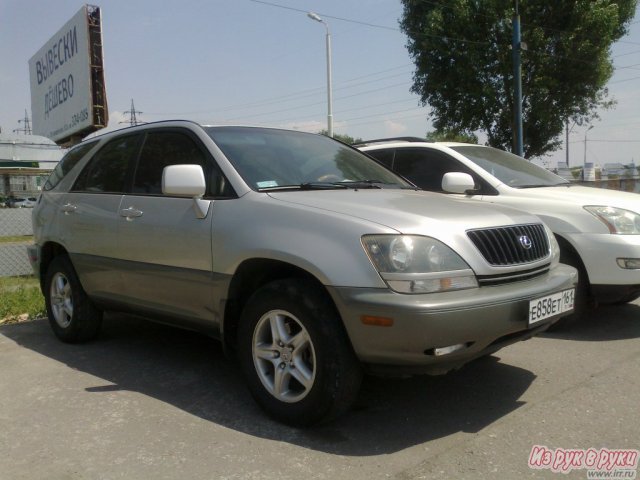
x=264, y=63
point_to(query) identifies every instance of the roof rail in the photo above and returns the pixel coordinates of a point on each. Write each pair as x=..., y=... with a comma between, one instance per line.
x=391, y=139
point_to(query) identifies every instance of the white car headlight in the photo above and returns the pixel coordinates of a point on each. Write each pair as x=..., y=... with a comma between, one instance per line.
x=617, y=220
x=416, y=264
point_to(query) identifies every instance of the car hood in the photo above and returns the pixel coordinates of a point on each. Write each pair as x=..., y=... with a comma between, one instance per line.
x=583, y=196
x=409, y=211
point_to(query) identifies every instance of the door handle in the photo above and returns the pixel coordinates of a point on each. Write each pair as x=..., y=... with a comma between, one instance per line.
x=130, y=213
x=69, y=208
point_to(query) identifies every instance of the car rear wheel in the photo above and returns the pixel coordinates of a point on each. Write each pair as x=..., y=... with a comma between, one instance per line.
x=295, y=354
x=72, y=316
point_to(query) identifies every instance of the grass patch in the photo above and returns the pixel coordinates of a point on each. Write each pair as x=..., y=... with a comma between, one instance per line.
x=17, y=239
x=20, y=299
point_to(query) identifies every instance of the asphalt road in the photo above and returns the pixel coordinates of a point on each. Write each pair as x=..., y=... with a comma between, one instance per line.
x=149, y=402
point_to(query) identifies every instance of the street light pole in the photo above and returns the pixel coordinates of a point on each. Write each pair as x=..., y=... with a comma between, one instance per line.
x=317, y=18
x=584, y=163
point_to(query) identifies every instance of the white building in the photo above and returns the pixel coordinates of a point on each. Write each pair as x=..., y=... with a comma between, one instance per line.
x=24, y=161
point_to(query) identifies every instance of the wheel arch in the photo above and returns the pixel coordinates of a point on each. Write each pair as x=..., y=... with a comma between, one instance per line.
x=249, y=277
x=48, y=252
x=569, y=254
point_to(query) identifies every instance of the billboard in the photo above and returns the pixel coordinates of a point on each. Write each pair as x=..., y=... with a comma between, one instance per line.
x=68, y=97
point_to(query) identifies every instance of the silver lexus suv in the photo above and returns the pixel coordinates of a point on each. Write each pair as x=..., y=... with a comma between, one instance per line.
x=311, y=262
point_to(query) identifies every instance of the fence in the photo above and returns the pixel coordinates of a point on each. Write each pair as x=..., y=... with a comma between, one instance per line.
x=622, y=184
x=15, y=223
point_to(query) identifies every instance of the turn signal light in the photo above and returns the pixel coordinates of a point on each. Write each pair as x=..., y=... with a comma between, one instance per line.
x=376, y=321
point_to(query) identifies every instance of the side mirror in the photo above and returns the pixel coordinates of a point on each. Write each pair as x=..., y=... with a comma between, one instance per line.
x=183, y=181
x=187, y=181
x=458, y=182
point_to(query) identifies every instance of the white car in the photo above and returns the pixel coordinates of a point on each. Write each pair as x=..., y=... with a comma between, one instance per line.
x=598, y=230
x=29, y=202
x=23, y=202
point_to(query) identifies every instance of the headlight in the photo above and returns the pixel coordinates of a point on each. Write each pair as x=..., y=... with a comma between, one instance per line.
x=554, y=247
x=415, y=264
x=617, y=220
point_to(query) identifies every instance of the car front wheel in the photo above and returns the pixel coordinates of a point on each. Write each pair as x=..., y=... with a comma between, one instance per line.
x=295, y=354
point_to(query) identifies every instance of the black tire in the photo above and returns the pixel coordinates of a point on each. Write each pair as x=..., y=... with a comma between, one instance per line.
x=628, y=299
x=584, y=301
x=312, y=345
x=72, y=316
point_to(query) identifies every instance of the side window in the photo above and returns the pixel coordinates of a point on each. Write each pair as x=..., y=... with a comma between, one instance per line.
x=66, y=164
x=384, y=156
x=426, y=167
x=162, y=149
x=107, y=171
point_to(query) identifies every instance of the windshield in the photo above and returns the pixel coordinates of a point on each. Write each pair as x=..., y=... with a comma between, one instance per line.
x=271, y=159
x=509, y=168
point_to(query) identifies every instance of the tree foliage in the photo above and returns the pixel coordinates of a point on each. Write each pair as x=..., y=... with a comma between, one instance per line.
x=451, y=136
x=344, y=138
x=464, y=70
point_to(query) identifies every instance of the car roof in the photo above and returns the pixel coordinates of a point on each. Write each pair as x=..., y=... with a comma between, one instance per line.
x=408, y=141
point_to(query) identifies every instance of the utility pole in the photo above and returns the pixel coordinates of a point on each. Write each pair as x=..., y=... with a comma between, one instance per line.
x=26, y=129
x=566, y=129
x=133, y=119
x=517, y=83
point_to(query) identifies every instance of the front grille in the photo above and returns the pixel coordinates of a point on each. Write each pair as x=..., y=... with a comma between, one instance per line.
x=513, y=245
x=520, y=275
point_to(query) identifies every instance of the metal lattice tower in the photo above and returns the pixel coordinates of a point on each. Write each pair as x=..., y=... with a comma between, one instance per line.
x=26, y=128
x=133, y=119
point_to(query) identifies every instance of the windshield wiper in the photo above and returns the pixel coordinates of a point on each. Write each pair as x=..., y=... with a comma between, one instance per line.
x=320, y=186
x=352, y=184
x=542, y=185
x=304, y=186
x=364, y=184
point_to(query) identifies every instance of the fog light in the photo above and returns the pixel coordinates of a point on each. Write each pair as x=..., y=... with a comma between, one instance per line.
x=438, y=352
x=629, y=263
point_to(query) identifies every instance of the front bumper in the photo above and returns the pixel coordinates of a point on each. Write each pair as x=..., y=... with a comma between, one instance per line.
x=600, y=252
x=484, y=319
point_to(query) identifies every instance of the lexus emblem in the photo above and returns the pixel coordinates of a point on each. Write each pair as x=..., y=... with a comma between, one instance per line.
x=526, y=242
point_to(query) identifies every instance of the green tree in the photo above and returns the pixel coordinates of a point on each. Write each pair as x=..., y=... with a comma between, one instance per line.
x=451, y=136
x=342, y=137
x=462, y=53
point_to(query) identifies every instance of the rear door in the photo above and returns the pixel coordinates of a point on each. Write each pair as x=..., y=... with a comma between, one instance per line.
x=88, y=216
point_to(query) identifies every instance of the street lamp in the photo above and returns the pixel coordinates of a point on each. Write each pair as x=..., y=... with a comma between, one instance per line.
x=585, y=145
x=317, y=18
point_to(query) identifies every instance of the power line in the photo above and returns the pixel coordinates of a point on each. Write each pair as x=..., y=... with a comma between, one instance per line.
x=295, y=96
x=314, y=104
x=622, y=81
x=324, y=15
x=444, y=37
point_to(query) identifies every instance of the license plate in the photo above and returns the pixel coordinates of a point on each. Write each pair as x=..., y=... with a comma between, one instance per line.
x=542, y=308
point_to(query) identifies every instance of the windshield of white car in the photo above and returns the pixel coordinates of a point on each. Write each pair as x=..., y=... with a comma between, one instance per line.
x=272, y=159
x=509, y=168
